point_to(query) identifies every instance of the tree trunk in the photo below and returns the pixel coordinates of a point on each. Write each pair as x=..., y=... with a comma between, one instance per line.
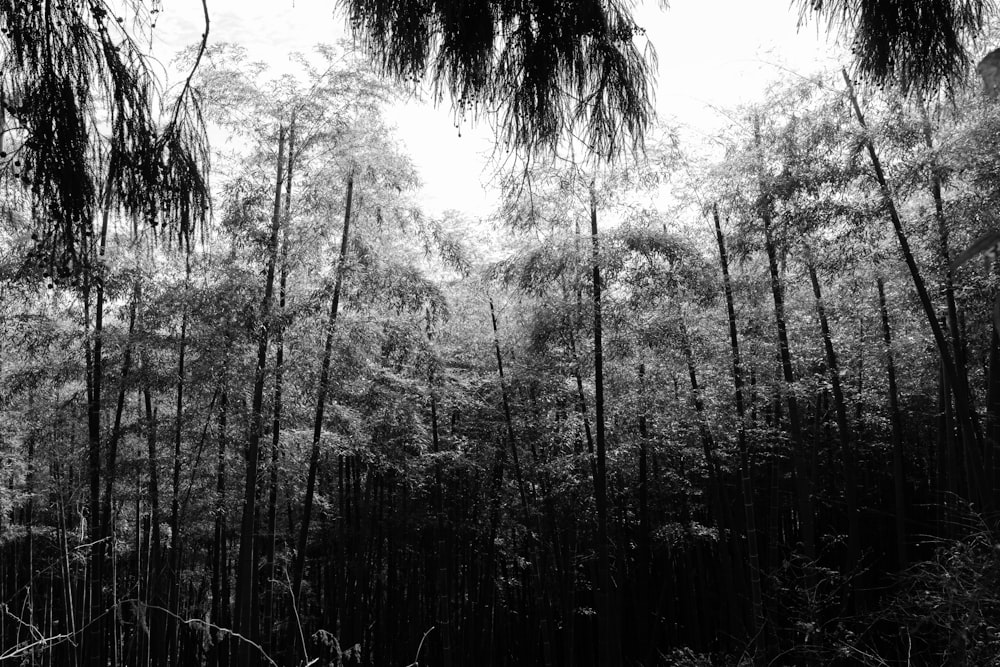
x=508, y=421
x=898, y=460
x=324, y=385
x=112, y=455
x=954, y=326
x=581, y=403
x=803, y=477
x=70, y=618
x=220, y=592
x=970, y=432
x=644, y=543
x=443, y=604
x=535, y=575
x=102, y=522
x=279, y=368
x=156, y=621
x=844, y=428
x=94, y=647
x=957, y=340
x=174, y=578
x=718, y=502
x=245, y=621
x=992, y=411
x=745, y=477
x=608, y=641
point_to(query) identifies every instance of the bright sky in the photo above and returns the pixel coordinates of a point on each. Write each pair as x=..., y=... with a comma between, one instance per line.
x=713, y=55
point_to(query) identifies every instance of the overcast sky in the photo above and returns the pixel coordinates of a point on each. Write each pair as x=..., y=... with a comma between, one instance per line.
x=713, y=54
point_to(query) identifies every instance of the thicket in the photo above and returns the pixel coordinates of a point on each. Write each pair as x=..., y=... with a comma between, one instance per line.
x=738, y=409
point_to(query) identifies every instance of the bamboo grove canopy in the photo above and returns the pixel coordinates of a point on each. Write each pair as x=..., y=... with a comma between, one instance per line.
x=552, y=68
x=81, y=131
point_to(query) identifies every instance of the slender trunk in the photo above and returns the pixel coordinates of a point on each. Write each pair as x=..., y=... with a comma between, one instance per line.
x=175, y=518
x=578, y=370
x=970, y=432
x=93, y=647
x=708, y=442
x=245, y=621
x=488, y=581
x=20, y=567
x=645, y=548
x=220, y=601
x=745, y=477
x=957, y=340
x=324, y=385
x=581, y=404
x=945, y=480
x=609, y=647
x=270, y=533
x=279, y=369
x=70, y=619
x=508, y=421
x=644, y=631
x=443, y=611
x=156, y=624
x=112, y=456
x=898, y=460
x=718, y=502
x=846, y=438
x=101, y=522
x=535, y=574
x=803, y=478
x=955, y=328
x=992, y=410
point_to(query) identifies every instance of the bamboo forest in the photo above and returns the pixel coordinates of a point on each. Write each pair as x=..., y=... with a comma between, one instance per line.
x=725, y=402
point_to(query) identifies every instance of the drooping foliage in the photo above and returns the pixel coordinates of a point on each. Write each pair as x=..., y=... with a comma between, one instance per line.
x=549, y=69
x=918, y=44
x=81, y=128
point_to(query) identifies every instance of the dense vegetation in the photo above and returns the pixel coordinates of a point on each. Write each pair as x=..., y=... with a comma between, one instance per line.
x=698, y=406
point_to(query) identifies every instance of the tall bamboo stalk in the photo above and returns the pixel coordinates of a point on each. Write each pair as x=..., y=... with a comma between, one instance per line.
x=279, y=375
x=323, y=388
x=803, y=474
x=608, y=641
x=971, y=434
x=741, y=433
x=245, y=621
x=898, y=459
x=848, y=457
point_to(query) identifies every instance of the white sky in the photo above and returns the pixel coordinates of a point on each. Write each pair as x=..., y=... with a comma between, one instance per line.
x=713, y=55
